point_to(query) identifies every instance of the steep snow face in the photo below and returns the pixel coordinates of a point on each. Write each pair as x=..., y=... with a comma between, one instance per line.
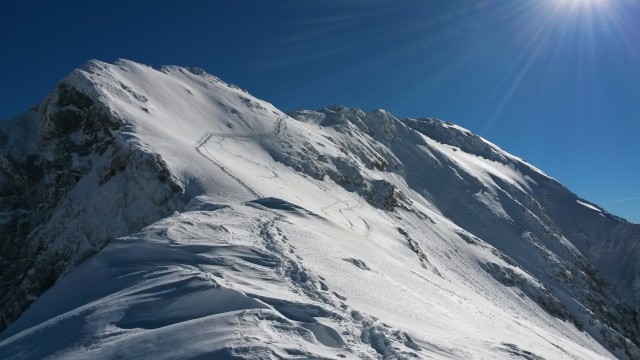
x=330, y=233
x=609, y=243
x=575, y=248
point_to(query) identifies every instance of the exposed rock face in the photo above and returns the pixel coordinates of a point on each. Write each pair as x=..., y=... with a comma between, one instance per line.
x=365, y=154
x=69, y=182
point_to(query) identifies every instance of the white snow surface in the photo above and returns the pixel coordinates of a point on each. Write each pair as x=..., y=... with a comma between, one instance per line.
x=288, y=247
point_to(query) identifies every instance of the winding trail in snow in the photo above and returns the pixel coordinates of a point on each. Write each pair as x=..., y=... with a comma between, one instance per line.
x=367, y=227
x=349, y=206
x=210, y=158
x=277, y=131
x=345, y=202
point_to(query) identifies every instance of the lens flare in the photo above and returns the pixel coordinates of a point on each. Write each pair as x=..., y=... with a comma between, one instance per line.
x=579, y=5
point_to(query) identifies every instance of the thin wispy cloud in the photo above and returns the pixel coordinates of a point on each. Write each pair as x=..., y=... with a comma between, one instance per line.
x=636, y=198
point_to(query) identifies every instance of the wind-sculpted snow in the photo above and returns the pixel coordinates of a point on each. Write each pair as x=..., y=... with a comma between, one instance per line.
x=224, y=228
x=255, y=282
x=224, y=283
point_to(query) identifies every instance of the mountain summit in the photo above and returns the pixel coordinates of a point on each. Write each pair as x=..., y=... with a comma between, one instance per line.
x=163, y=213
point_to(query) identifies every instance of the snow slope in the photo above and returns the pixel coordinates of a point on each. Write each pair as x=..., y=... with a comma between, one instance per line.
x=241, y=231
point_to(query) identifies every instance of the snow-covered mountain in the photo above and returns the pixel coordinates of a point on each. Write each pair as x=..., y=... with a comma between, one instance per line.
x=164, y=213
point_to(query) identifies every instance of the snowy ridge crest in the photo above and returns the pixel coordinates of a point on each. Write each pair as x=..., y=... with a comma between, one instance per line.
x=336, y=233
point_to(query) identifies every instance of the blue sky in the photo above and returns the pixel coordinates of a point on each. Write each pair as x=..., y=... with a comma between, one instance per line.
x=556, y=82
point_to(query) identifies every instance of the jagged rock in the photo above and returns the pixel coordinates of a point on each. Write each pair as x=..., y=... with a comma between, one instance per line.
x=55, y=212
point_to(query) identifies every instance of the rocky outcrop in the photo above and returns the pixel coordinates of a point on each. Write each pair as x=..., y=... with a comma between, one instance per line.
x=70, y=182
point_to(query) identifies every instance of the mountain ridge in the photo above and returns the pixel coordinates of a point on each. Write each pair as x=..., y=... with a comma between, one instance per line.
x=148, y=143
